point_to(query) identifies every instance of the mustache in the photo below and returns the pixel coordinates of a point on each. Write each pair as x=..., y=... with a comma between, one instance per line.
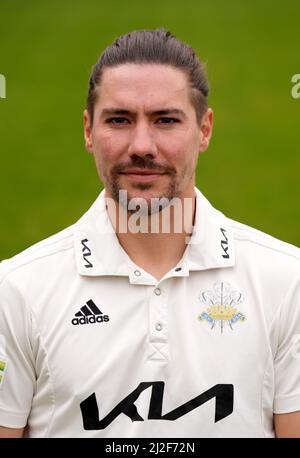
x=142, y=163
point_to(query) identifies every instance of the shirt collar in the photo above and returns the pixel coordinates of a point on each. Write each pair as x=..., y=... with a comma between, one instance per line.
x=212, y=243
x=98, y=251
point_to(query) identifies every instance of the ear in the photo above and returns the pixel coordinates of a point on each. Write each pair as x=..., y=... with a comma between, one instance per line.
x=206, y=129
x=87, y=131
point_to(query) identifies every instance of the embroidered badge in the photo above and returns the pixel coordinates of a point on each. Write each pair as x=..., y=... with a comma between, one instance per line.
x=222, y=306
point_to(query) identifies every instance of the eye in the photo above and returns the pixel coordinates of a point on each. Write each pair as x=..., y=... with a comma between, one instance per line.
x=167, y=120
x=117, y=120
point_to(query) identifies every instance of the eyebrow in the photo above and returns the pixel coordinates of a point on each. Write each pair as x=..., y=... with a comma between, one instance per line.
x=164, y=112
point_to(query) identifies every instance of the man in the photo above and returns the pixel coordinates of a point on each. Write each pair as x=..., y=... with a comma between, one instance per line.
x=116, y=327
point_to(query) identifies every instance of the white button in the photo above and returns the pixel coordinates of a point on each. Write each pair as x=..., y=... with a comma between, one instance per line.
x=137, y=273
x=158, y=326
x=157, y=291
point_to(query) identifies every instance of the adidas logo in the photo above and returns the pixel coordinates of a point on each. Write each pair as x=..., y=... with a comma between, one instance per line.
x=89, y=314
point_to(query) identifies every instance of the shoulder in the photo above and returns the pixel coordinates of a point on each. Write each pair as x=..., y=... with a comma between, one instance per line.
x=263, y=247
x=54, y=254
x=34, y=258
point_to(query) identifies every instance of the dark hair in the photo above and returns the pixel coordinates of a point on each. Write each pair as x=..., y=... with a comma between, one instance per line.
x=153, y=47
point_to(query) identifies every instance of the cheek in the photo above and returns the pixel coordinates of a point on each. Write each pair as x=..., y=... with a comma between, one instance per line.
x=108, y=151
x=173, y=148
x=104, y=145
x=183, y=138
x=181, y=151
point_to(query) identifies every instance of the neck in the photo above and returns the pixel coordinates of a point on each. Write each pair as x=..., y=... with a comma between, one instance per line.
x=155, y=242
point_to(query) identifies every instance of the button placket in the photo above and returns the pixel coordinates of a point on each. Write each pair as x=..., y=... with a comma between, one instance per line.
x=158, y=348
x=158, y=316
x=158, y=326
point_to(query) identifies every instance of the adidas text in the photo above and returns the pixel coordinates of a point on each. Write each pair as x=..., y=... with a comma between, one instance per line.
x=90, y=319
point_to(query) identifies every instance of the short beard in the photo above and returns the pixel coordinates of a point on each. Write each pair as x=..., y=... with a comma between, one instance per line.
x=113, y=184
x=133, y=204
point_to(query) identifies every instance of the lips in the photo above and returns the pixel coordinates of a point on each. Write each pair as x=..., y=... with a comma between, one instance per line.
x=142, y=175
x=142, y=172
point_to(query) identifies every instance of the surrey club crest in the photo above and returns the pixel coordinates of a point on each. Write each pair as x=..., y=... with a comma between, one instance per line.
x=222, y=306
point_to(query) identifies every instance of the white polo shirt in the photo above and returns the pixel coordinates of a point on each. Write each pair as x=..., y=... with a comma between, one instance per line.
x=91, y=345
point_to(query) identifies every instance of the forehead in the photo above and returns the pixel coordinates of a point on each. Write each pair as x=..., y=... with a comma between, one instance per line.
x=143, y=84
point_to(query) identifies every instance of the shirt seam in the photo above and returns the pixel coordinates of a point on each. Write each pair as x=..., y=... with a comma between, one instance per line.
x=13, y=412
x=9, y=269
x=32, y=314
x=286, y=397
x=291, y=286
x=278, y=312
x=262, y=397
x=265, y=245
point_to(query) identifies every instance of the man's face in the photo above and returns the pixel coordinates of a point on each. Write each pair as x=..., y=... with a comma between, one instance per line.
x=145, y=137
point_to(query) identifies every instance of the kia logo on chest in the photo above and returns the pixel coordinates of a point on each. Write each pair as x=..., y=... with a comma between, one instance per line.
x=223, y=394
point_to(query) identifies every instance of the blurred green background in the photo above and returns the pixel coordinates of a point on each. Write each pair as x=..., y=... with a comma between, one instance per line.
x=47, y=48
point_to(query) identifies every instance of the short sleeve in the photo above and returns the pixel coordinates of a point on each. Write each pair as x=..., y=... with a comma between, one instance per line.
x=287, y=358
x=17, y=374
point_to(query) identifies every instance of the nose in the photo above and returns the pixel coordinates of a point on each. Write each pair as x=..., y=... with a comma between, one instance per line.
x=142, y=142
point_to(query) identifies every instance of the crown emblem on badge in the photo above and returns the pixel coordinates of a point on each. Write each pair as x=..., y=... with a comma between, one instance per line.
x=222, y=306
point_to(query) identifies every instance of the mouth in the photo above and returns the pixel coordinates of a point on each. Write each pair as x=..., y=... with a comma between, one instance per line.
x=142, y=175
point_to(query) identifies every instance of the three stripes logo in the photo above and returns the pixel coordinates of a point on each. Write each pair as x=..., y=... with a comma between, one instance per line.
x=89, y=314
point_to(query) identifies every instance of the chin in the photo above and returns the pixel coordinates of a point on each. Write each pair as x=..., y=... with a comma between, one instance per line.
x=143, y=196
